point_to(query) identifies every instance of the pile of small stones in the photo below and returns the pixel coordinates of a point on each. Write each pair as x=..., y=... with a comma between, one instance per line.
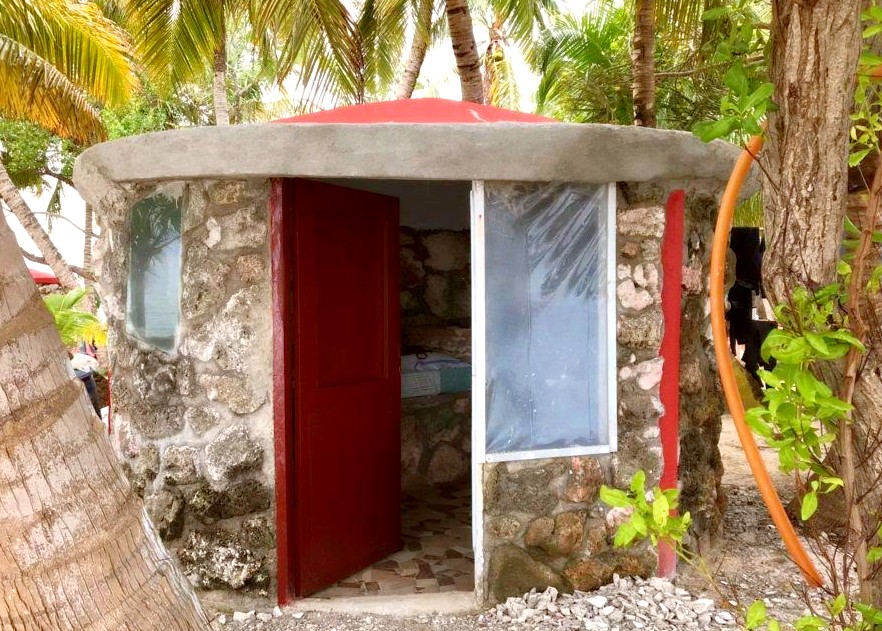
x=623, y=605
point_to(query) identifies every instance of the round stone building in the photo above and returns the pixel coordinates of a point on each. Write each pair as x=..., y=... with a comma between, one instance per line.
x=396, y=348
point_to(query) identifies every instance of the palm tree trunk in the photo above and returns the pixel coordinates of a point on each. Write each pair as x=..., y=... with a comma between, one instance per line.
x=219, y=85
x=421, y=35
x=78, y=550
x=468, y=63
x=10, y=194
x=643, y=63
x=88, y=301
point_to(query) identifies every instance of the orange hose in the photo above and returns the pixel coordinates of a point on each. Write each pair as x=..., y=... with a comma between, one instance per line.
x=727, y=374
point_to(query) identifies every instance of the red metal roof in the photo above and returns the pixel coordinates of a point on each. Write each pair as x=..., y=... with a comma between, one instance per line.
x=418, y=111
x=42, y=277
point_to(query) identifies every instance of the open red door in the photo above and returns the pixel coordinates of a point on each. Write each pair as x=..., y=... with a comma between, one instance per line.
x=343, y=332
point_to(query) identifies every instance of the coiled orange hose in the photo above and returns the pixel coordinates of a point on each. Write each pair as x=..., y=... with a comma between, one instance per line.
x=727, y=374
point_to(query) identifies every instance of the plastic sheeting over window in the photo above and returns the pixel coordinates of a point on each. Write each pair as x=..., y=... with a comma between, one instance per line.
x=153, y=307
x=547, y=316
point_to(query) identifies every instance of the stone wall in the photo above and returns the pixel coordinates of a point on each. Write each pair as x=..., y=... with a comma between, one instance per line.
x=194, y=426
x=543, y=522
x=436, y=317
x=435, y=278
x=436, y=437
x=701, y=398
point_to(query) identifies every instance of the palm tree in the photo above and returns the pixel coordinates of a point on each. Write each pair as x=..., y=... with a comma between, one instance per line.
x=37, y=72
x=462, y=38
x=643, y=60
x=182, y=41
x=587, y=74
x=506, y=21
x=422, y=39
x=78, y=550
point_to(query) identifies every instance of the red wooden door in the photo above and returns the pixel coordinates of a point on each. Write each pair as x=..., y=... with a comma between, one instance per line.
x=347, y=399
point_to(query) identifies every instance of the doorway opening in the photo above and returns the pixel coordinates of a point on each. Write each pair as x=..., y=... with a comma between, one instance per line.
x=428, y=548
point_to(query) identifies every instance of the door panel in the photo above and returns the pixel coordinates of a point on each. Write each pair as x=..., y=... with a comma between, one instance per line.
x=347, y=382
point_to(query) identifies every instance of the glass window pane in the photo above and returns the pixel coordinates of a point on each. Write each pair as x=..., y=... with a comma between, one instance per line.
x=546, y=308
x=153, y=307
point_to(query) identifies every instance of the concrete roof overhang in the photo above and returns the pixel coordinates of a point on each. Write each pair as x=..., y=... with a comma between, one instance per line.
x=555, y=152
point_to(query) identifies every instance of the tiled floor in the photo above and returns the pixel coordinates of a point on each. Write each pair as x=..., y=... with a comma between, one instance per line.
x=437, y=555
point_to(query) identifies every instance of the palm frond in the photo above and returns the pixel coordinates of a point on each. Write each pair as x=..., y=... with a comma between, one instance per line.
x=522, y=17
x=88, y=49
x=74, y=326
x=35, y=90
x=579, y=54
x=381, y=28
x=175, y=39
x=318, y=38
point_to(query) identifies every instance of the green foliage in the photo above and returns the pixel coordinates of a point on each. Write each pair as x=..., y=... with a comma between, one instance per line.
x=867, y=117
x=741, y=51
x=29, y=152
x=801, y=415
x=74, y=325
x=653, y=514
x=55, y=58
x=756, y=615
x=584, y=65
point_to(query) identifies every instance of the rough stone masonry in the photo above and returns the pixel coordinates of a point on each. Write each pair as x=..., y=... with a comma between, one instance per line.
x=194, y=427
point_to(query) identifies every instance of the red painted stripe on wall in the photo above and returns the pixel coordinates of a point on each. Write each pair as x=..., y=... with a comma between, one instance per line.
x=669, y=389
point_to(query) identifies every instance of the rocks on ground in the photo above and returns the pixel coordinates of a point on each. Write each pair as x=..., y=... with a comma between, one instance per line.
x=626, y=604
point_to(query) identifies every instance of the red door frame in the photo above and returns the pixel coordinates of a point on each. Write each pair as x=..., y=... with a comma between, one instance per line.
x=283, y=399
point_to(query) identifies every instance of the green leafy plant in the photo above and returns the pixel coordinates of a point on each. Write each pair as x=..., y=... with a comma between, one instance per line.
x=653, y=514
x=867, y=117
x=74, y=326
x=742, y=50
x=801, y=415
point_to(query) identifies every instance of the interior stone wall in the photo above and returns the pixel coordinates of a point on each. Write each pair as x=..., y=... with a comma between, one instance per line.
x=193, y=427
x=543, y=522
x=435, y=294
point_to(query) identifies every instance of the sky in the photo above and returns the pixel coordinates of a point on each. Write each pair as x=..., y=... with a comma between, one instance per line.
x=66, y=238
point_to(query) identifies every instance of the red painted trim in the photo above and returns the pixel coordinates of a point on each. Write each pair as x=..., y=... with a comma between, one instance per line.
x=669, y=390
x=109, y=404
x=282, y=395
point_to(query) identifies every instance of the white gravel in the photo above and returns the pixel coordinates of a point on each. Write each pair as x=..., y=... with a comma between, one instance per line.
x=625, y=605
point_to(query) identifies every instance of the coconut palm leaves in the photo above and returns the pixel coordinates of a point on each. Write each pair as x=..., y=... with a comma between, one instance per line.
x=583, y=65
x=74, y=325
x=54, y=56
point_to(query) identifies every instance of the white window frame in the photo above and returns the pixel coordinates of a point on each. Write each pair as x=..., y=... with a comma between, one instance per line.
x=480, y=457
x=479, y=343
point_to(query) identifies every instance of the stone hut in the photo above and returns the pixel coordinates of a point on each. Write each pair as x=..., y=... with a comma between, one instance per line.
x=397, y=348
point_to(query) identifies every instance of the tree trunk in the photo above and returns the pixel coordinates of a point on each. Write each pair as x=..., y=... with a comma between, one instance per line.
x=815, y=50
x=468, y=63
x=10, y=194
x=89, y=299
x=219, y=86
x=643, y=63
x=421, y=36
x=814, y=58
x=78, y=551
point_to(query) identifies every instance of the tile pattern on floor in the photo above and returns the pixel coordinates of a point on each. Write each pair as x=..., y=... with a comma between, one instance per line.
x=437, y=555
